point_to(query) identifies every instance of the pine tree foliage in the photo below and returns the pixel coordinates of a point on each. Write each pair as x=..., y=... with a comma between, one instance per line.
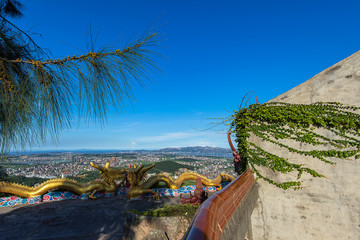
x=39, y=94
x=276, y=121
x=10, y=8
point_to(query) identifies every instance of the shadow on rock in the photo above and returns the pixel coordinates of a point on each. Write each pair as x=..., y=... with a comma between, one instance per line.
x=73, y=219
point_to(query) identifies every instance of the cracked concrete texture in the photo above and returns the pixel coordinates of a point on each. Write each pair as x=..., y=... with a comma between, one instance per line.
x=328, y=208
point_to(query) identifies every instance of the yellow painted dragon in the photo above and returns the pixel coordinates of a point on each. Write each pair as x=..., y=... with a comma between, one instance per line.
x=140, y=185
x=136, y=177
x=108, y=184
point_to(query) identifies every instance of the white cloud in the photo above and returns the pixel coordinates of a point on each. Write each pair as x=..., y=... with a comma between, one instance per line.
x=169, y=136
x=205, y=144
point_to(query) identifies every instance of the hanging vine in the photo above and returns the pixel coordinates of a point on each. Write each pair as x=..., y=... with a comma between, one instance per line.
x=275, y=121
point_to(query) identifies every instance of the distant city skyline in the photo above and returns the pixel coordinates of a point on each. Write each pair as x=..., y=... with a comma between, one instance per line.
x=215, y=53
x=195, y=151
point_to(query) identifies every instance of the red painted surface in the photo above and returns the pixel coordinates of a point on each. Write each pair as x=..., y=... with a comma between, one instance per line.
x=214, y=213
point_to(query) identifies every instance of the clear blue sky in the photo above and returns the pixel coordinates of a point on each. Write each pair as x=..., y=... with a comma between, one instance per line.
x=216, y=52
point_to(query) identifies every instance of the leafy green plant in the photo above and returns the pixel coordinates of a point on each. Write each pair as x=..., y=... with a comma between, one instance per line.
x=275, y=121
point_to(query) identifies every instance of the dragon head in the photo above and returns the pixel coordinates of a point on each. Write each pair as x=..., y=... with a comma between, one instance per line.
x=109, y=173
x=137, y=175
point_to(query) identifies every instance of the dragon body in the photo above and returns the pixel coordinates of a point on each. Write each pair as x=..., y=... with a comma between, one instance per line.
x=222, y=177
x=136, y=178
x=65, y=184
x=139, y=185
x=108, y=184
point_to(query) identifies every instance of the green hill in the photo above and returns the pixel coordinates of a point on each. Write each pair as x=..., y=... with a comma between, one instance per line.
x=187, y=160
x=168, y=166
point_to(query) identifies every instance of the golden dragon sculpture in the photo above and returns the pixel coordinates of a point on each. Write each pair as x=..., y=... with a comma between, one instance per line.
x=107, y=184
x=140, y=185
x=136, y=177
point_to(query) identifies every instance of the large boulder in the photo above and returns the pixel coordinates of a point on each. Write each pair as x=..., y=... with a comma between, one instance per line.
x=138, y=227
x=327, y=208
x=156, y=234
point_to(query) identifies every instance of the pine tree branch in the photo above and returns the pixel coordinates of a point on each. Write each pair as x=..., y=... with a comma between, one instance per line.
x=24, y=33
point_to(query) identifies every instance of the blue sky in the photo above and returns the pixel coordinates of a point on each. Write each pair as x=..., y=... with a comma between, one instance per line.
x=215, y=52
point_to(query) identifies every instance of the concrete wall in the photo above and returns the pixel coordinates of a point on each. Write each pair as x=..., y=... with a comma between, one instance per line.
x=328, y=208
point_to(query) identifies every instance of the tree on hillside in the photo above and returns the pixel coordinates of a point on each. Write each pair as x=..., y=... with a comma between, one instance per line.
x=275, y=122
x=3, y=174
x=38, y=92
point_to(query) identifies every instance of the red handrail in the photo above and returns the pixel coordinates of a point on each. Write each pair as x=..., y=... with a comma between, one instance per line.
x=215, y=212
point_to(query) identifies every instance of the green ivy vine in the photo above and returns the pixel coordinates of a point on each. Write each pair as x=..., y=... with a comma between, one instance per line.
x=275, y=121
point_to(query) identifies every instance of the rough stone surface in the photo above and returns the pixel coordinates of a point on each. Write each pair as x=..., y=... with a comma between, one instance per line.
x=328, y=208
x=73, y=219
x=339, y=83
x=139, y=227
x=98, y=219
x=156, y=234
